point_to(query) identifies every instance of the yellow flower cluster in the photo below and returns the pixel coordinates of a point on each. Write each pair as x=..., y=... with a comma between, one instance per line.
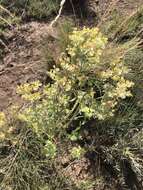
x=84, y=50
x=83, y=63
x=29, y=91
x=2, y=119
x=2, y=122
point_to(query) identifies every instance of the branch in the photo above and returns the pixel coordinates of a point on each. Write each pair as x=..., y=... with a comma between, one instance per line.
x=59, y=14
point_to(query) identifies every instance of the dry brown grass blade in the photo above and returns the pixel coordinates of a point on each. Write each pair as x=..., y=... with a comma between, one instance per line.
x=3, y=44
x=125, y=23
x=111, y=6
x=6, y=21
x=7, y=11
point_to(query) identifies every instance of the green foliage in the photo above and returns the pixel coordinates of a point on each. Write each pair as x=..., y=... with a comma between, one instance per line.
x=131, y=27
x=129, y=115
x=33, y=8
x=77, y=152
x=87, y=185
x=57, y=40
x=75, y=135
x=50, y=149
x=134, y=60
x=30, y=91
x=44, y=8
x=2, y=123
x=21, y=163
x=65, y=29
x=112, y=23
x=14, y=5
x=123, y=30
x=7, y=19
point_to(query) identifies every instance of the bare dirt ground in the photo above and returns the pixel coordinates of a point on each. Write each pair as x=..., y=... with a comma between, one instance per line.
x=22, y=62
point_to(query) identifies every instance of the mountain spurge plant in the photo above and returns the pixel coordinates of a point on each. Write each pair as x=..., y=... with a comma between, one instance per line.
x=83, y=87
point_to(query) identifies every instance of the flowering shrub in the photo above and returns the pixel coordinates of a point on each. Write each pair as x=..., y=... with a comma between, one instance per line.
x=30, y=91
x=83, y=87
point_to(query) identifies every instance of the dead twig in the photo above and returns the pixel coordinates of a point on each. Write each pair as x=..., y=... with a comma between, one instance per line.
x=59, y=14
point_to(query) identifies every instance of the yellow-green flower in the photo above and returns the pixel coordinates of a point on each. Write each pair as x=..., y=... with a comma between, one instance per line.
x=2, y=119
